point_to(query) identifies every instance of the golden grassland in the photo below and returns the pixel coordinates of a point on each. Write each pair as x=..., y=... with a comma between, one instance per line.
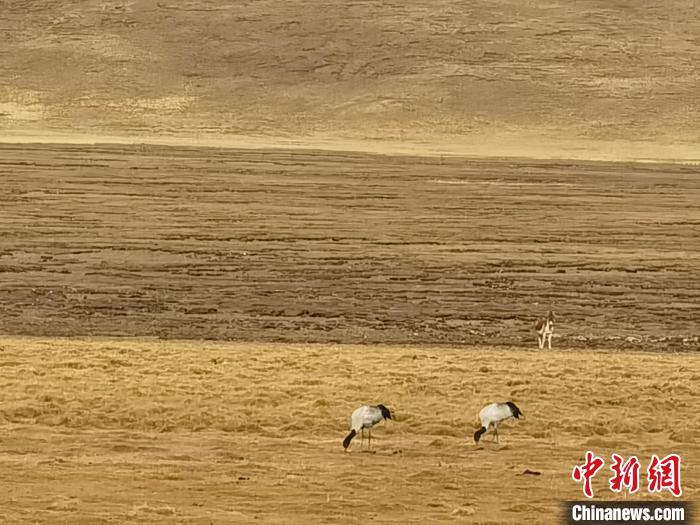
x=117, y=431
x=367, y=224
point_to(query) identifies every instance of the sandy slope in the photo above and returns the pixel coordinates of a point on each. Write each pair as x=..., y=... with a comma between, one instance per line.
x=589, y=79
x=155, y=432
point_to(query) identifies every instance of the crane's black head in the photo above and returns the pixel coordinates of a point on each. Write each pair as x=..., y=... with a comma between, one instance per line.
x=478, y=433
x=514, y=409
x=348, y=439
x=386, y=414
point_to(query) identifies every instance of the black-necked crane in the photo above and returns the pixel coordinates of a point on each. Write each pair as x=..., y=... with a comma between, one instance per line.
x=494, y=414
x=363, y=418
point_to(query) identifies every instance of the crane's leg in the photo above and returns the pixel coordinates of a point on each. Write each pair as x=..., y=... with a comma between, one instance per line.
x=495, y=433
x=370, y=439
x=362, y=438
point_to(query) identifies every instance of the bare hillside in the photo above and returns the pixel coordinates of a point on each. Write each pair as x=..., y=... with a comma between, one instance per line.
x=594, y=79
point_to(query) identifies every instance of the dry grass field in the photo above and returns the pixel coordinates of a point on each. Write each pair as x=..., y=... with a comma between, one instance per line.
x=109, y=431
x=225, y=225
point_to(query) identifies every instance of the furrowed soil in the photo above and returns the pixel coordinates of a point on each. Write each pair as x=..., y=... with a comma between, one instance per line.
x=314, y=246
x=113, y=431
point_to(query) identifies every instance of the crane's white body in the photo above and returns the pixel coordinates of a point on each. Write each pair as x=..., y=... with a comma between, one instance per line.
x=363, y=418
x=493, y=415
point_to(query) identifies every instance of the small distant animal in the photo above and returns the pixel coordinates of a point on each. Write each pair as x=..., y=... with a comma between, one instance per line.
x=494, y=414
x=363, y=418
x=545, y=330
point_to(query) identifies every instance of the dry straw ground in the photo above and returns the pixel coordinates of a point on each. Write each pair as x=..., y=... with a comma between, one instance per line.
x=334, y=247
x=194, y=432
x=320, y=245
